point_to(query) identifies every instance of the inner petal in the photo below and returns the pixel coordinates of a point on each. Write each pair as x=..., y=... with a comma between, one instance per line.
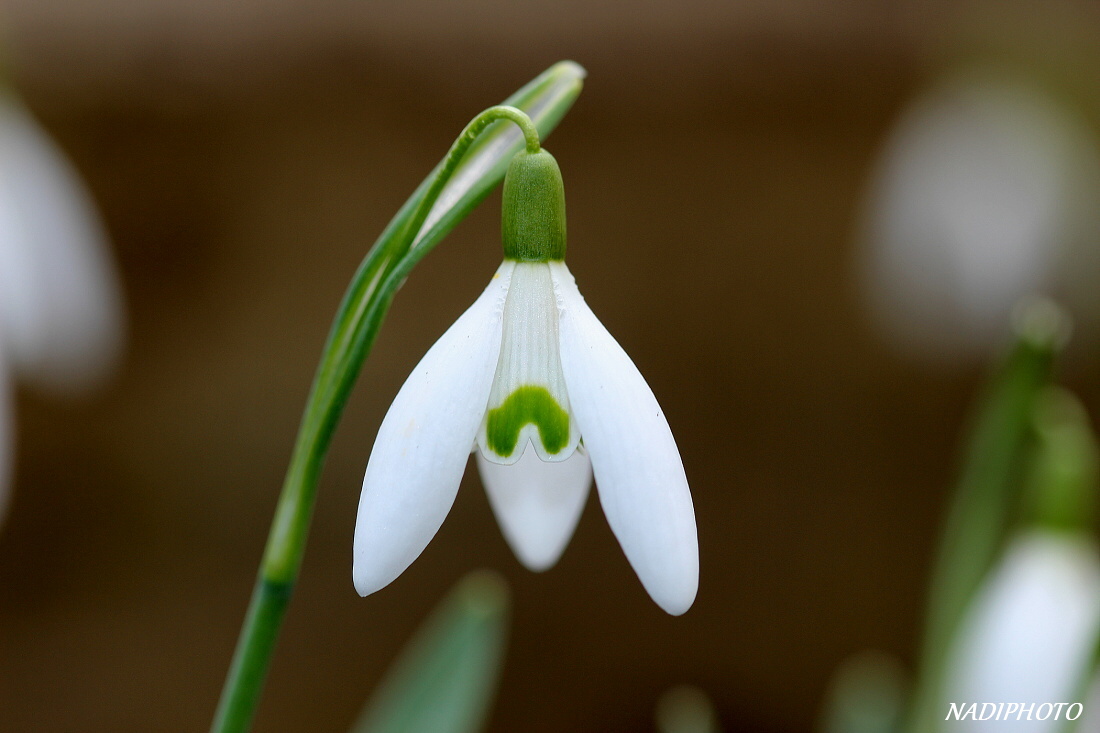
x=528, y=403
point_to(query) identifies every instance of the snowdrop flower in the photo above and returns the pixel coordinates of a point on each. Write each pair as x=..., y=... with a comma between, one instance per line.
x=60, y=303
x=1032, y=628
x=984, y=193
x=530, y=381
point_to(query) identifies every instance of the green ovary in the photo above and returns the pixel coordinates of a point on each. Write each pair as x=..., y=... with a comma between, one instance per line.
x=527, y=405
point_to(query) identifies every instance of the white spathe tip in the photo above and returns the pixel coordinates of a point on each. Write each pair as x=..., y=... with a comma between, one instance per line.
x=61, y=313
x=640, y=478
x=1031, y=629
x=537, y=503
x=424, y=441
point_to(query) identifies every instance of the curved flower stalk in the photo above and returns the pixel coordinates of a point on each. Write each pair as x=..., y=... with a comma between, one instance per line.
x=531, y=379
x=61, y=314
x=983, y=194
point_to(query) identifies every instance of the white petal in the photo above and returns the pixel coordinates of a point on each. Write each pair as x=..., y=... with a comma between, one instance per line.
x=537, y=503
x=1030, y=633
x=639, y=476
x=418, y=458
x=60, y=304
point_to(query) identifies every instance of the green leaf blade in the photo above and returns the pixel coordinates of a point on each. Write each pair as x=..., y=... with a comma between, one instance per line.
x=446, y=677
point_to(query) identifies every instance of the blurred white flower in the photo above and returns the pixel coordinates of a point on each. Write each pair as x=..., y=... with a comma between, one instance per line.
x=987, y=191
x=1031, y=631
x=61, y=314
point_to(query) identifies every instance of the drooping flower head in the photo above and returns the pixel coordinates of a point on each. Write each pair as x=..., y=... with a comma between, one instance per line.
x=533, y=384
x=61, y=313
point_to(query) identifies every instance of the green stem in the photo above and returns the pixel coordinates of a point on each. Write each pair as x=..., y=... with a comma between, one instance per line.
x=354, y=329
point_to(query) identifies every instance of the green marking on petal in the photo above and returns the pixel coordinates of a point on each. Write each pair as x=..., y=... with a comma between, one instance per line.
x=527, y=406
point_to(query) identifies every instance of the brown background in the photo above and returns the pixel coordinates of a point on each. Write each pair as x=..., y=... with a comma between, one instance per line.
x=245, y=155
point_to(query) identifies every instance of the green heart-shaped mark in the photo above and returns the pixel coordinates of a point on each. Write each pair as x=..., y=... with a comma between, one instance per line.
x=528, y=405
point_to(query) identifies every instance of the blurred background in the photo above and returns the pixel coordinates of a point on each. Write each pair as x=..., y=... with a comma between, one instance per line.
x=721, y=168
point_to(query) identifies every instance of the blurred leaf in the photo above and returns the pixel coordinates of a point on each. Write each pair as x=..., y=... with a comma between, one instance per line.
x=866, y=695
x=446, y=677
x=686, y=709
x=1063, y=477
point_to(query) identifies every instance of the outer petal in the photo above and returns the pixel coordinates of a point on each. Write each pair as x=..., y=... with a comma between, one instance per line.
x=537, y=503
x=639, y=475
x=60, y=306
x=422, y=446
